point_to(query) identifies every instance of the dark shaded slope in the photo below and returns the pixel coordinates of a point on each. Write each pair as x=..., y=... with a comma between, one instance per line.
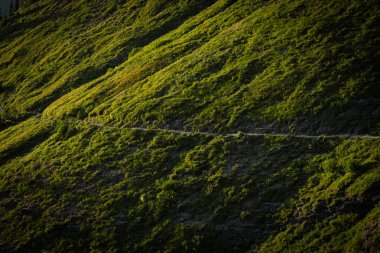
x=106, y=189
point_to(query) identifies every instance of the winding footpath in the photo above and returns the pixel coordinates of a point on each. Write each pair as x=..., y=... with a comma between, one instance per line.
x=235, y=135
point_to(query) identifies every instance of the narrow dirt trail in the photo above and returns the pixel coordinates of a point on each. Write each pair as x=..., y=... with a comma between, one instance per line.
x=176, y=131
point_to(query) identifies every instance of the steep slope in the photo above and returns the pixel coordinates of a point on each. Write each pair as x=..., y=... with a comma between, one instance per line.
x=124, y=126
x=290, y=66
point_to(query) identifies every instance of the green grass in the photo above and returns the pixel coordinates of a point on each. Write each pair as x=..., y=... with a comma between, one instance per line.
x=298, y=67
x=93, y=188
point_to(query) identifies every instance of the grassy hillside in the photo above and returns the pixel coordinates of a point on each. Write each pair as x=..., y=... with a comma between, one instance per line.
x=81, y=80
